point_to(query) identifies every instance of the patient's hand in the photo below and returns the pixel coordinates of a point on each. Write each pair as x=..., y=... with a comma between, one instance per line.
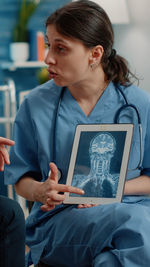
x=4, y=156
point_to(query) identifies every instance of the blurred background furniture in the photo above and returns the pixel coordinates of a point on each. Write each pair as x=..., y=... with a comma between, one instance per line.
x=7, y=115
x=8, y=94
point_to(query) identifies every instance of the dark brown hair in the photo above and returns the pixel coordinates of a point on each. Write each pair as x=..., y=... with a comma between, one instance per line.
x=88, y=22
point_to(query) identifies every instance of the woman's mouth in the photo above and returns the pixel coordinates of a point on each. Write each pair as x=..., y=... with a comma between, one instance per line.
x=52, y=74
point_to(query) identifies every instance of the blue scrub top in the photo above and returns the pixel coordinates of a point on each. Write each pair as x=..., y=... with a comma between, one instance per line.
x=34, y=137
x=34, y=128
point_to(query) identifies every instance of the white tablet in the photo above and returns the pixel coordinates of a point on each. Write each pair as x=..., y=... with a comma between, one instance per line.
x=99, y=162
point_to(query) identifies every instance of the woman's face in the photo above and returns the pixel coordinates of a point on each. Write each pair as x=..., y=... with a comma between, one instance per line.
x=67, y=59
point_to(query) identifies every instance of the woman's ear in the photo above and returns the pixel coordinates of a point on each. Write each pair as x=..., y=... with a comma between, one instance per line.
x=96, y=55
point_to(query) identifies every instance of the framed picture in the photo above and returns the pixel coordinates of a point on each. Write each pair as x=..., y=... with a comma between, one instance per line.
x=99, y=162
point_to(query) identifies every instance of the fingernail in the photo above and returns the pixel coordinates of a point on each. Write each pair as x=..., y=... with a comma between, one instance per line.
x=82, y=191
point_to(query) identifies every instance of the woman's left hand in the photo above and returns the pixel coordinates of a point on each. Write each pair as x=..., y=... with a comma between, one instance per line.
x=4, y=156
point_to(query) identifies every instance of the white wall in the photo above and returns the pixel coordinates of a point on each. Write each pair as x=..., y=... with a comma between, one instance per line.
x=133, y=41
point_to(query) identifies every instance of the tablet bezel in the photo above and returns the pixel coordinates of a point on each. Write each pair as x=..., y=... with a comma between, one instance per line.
x=128, y=128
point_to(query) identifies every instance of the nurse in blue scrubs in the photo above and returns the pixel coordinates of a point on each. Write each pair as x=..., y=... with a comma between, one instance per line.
x=82, y=64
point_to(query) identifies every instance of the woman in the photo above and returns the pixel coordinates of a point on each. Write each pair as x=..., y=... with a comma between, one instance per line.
x=80, y=59
x=12, y=223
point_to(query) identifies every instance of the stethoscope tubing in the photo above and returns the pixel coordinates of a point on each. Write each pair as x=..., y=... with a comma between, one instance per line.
x=116, y=120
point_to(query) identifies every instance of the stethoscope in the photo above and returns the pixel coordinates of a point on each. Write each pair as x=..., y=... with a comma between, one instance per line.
x=116, y=121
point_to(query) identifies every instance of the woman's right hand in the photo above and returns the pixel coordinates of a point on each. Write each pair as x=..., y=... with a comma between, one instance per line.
x=50, y=190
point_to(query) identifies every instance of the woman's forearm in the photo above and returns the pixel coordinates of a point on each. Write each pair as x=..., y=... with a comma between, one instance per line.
x=138, y=186
x=28, y=188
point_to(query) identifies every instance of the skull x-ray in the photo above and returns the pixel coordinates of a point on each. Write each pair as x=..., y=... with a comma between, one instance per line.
x=98, y=163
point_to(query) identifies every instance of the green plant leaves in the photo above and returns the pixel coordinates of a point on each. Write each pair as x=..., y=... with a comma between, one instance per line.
x=20, y=33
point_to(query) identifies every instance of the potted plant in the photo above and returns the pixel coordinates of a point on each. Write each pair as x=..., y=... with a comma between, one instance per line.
x=19, y=48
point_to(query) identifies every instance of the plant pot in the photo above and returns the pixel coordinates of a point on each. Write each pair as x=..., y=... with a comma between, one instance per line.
x=19, y=51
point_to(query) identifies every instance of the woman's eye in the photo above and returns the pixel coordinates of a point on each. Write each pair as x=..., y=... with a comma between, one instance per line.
x=57, y=49
x=47, y=45
x=61, y=49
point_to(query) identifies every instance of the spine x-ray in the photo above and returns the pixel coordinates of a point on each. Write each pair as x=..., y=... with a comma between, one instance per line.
x=98, y=163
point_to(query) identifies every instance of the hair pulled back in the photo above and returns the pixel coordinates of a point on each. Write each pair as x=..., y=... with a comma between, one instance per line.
x=88, y=22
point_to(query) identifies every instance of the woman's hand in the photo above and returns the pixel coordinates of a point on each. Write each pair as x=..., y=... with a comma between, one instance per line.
x=4, y=156
x=50, y=190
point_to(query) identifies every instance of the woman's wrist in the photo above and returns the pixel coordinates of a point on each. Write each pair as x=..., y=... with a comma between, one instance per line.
x=37, y=191
x=127, y=188
x=137, y=186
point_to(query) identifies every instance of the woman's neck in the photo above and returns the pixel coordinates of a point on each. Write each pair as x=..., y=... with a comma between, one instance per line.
x=87, y=93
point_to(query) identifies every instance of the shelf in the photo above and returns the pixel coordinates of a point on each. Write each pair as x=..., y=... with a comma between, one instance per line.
x=12, y=66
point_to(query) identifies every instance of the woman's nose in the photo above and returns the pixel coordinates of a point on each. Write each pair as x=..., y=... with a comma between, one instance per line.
x=49, y=58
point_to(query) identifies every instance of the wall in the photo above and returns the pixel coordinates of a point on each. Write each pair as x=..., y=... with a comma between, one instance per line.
x=24, y=78
x=8, y=18
x=133, y=41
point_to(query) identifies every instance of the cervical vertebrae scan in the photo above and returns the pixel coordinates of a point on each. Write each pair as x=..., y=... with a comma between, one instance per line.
x=99, y=182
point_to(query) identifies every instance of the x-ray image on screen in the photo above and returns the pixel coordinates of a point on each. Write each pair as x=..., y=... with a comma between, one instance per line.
x=98, y=163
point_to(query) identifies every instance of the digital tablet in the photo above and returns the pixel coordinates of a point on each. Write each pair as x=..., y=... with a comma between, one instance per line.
x=99, y=162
